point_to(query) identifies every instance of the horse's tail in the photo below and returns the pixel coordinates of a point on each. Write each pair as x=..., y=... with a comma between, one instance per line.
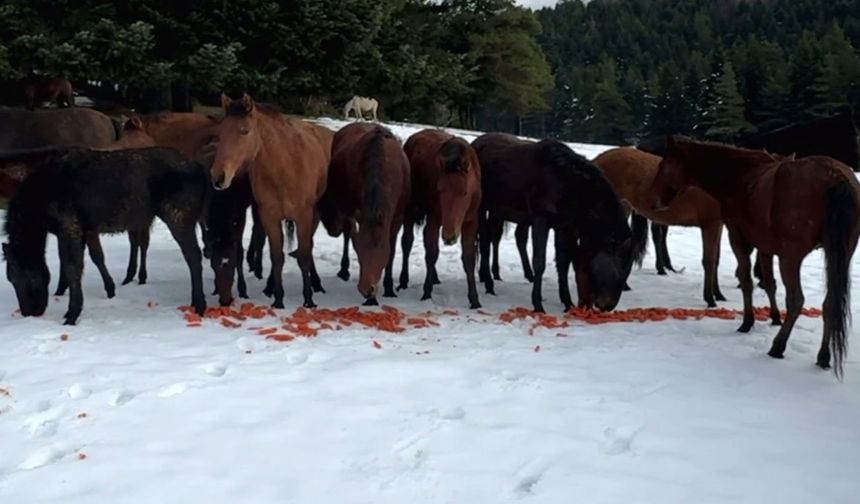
x=640, y=238
x=839, y=243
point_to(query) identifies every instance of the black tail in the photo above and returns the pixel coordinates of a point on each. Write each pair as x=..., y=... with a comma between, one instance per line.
x=640, y=238
x=838, y=248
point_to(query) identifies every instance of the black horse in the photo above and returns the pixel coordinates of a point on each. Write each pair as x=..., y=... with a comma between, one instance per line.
x=548, y=186
x=87, y=192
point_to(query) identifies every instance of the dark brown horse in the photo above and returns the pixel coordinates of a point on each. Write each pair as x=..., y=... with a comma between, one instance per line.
x=446, y=193
x=79, y=127
x=42, y=88
x=632, y=173
x=368, y=190
x=782, y=207
x=286, y=164
x=548, y=186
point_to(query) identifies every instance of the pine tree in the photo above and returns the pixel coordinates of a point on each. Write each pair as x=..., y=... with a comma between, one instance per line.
x=611, y=114
x=726, y=113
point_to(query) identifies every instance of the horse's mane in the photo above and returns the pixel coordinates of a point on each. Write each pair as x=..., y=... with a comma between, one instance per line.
x=373, y=195
x=26, y=226
x=723, y=151
x=452, y=152
x=586, y=187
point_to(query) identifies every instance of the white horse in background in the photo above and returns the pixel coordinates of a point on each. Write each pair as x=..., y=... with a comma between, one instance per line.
x=360, y=104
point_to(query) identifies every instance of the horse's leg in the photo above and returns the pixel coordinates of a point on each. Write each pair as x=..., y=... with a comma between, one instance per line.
x=768, y=283
x=485, y=242
x=656, y=231
x=540, y=235
x=562, y=266
x=522, y=236
x=97, y=254
x=718, y=294
x=305, y=235
x=742, y=250
x=710, y=238
x=275, y=235
x=388, y=279
x=431, y=254
x=143, y=240
x=469, y=250
x=185, y=235
x=72, y=267
x=498, y=231
x=406, y=242
x=241, y=286
x=62, y=284
x=255, y=248
x=131, y=271
x=789, y=267
x=344, y=259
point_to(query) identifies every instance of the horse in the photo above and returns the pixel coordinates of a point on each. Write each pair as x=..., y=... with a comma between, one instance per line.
x=834, y=136
x=631, y=172
x=79, y=127
x=360, y=105
x=88, y=192
x=41, y=88
x=781, y=206
x=286, y=164
x=548, y=186
x=191, y=134
x=446, y=192
x=366, y=196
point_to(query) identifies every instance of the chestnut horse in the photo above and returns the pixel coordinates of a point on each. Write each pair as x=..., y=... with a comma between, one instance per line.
x=286, y=164
x=367, y=193
x=446, y=191
x=783, y=207
x=42, y=88
x=632, y=173
x=193, y=135
x=548, y=186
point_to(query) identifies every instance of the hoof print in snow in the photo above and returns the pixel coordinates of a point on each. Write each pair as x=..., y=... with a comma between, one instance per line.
x=78, y=391
x=215, y=369
x=121, y=397
x=620, y=440
x=456, y=413
x=172, y=390
x=529, y=476
x=45, y=456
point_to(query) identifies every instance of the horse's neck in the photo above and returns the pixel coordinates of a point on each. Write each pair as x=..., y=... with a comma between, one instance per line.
x=721, y=172
x=26, y=224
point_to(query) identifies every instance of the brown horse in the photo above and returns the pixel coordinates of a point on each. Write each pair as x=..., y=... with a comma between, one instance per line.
x=42, y=88
x=548, y=186
x=446, y=191
x=781, y=207
x=193, y=135
x=368, y=190
x=80, y=127
x=632, y=173
x=286, y=164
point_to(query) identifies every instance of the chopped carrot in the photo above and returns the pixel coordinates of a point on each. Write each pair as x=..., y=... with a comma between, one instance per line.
x=82, y=415
x=64, y=337
x=376, y=344
x=267, y=331
x=281, y=337
x=537, y=348
x=82, y=456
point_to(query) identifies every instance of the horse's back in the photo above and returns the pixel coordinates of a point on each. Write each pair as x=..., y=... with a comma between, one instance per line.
x=22, y=129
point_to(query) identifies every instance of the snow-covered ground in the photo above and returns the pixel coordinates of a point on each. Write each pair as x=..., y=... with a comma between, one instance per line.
x=133, y=406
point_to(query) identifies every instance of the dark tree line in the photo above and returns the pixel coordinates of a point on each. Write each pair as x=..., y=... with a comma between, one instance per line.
x=613, y=71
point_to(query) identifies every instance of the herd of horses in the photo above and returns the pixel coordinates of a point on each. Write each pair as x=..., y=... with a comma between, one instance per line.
x=75, y=174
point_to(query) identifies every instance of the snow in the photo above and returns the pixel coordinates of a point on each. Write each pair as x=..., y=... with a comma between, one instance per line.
x=134, y=407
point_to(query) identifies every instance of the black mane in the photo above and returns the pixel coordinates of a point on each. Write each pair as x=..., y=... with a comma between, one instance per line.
x=373, y=196
x=452, y=153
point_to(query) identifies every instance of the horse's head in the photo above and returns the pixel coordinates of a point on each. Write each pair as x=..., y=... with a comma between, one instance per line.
x=457, y=186
x=672, y=176
x=608, y=270
x=30, y=281
x=134, y=135
x=370, y=236
x=239, y=140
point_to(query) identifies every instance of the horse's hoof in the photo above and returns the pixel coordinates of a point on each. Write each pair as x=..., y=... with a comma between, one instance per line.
x=491, y=292
x=626, y=288
x=474, y=305
x=719, y=296
x=200, y=308
x=389, y=294
x=279, y=304
x=823, y=363
x=371, y=302
x=309, y=304
x=128, y=280
x=111, y=294
x=775, y=322
x=402, y=286
x=776, y=354
x=243, y=295
x=745, y=327
x=70, y=321
x=426, y=297
x=227, y=302
x=142, y=281
x=711, y=303
x=539, y=309
x=661, y=272
x=497, y=277
x=319, y=290
x=343, y=275
x=258, y=275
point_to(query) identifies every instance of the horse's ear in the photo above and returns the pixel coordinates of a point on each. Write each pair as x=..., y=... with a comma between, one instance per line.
x=225, y=101
x=135, y=123
x=247, y=102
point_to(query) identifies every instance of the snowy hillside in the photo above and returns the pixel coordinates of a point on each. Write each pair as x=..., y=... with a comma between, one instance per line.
x=133, y=406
